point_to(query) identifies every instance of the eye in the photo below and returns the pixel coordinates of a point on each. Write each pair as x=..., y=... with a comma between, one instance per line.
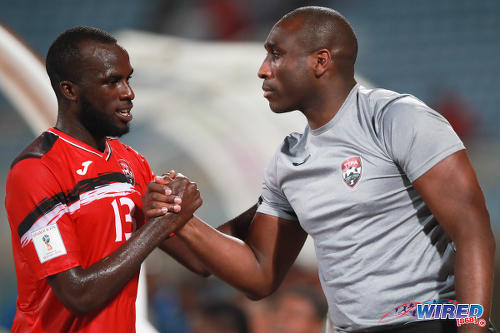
x=275, y=54
x=112, y=81
x=129, y=78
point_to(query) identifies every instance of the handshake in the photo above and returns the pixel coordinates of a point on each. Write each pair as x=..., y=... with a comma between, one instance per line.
x=171, y=199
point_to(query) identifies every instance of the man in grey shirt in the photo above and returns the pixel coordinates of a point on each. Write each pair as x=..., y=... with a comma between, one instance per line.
x=348, y=184
x=380, y=181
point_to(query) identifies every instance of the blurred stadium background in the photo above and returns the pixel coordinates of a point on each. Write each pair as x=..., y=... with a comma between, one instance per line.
x=199, y=109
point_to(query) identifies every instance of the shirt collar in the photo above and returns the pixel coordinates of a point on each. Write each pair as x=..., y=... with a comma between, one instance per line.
x=82, y=145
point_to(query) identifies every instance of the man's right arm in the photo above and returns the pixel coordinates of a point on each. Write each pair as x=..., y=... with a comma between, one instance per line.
x=252, y=252
x=180, y=251
x=240, y=225
x=257, y=265
x=265, y=246
x=84, y=290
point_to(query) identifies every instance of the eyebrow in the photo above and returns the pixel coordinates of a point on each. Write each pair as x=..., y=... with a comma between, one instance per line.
x=116, y=76
x=112, y=77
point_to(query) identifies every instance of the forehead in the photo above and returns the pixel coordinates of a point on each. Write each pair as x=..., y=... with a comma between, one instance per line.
x=285, y=33
x=103, y=59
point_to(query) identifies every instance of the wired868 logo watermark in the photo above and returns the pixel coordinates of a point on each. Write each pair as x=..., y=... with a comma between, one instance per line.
x=438, y=309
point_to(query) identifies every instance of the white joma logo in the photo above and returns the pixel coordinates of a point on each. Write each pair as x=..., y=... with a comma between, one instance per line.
x=83, y=170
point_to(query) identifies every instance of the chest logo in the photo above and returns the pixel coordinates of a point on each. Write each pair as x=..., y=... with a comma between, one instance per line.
x=83, y=170
x=127, y=171
x=351, y=171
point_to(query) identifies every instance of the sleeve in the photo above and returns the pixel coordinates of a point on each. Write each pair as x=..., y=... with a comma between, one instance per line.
x=417, y=137
x=43, y=231
x=272, y=200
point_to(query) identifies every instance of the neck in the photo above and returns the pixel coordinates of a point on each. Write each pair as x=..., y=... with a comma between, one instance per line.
x=327, y=103
x=76, y=130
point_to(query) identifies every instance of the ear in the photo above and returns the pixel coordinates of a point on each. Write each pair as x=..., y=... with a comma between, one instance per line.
x=69, y=90
x=322, y=60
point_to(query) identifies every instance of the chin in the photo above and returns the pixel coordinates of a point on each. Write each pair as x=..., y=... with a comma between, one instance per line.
x=123, y=131
x=118, y=131
x=275, y=107
x=280, y=109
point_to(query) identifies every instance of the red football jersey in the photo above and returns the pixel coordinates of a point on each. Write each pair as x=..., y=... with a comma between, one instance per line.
x=71, y=205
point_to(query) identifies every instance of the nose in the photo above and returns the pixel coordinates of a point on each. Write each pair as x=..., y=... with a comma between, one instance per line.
x=265, y=69
x=127, y=92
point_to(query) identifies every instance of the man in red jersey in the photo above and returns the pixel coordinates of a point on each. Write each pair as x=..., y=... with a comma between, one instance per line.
x=74, y=198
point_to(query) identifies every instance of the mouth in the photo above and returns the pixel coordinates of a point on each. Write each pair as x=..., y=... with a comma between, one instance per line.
x=124, y=114
x=268, y=91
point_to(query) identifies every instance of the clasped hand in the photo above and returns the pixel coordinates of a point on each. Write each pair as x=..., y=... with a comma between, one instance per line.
x=171, y=193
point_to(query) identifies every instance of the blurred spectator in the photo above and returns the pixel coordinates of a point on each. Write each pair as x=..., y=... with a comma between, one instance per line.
x=229, y=19
x=166, y=312
x=458, y=112
x=219, y=317
x=259, y=313
x=262, y=314
x=219, y=19
x=300, y=310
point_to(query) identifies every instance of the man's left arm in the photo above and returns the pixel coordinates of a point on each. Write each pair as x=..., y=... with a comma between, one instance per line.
x=452, y=192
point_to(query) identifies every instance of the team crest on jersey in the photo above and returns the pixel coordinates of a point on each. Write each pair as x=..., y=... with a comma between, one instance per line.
x=127, y=171
x=351, y=171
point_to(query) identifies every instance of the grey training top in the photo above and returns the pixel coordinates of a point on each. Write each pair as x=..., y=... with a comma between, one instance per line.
x=349, y=184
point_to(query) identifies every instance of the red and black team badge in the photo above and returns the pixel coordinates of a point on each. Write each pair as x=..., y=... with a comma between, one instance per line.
x=351, y=171
x=127, y=171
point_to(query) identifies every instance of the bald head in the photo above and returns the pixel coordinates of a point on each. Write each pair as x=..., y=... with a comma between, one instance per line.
x=318, y=27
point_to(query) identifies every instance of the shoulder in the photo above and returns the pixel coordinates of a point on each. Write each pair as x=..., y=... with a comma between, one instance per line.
x=37, y=149
x=378, y=99
x=26, y=171
x=292, y=150
x=388, y=107
x=29, y=180
x=293, y=144
x=408, y=110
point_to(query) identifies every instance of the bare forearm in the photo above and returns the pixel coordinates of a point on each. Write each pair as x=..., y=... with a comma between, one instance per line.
x=181, y=252
x=474, y=274
x=235, y=262
x=239, y=226
x=178, y=249
x=84, y=290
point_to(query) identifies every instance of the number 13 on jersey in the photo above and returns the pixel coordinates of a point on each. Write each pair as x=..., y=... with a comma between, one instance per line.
x=130, y=205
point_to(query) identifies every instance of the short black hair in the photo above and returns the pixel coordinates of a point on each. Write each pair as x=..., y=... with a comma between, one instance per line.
x=64, y=53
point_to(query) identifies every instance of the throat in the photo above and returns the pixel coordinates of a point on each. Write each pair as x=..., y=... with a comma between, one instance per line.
x=327, y=107
x=318, y=118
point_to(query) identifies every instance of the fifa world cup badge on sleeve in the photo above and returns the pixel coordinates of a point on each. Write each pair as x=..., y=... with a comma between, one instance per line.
x=48, y=242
